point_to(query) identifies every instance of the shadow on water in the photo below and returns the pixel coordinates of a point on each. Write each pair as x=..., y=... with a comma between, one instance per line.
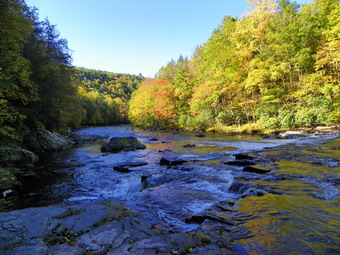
x=291, y=210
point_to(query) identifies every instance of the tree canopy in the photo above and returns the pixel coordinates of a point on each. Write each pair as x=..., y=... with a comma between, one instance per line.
x=277, y=67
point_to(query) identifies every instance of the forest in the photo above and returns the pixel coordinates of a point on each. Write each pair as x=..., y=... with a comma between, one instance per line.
x=276, y=67
x=39, y=87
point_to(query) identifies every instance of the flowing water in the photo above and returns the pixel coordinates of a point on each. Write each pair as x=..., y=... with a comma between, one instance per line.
x=294, y=209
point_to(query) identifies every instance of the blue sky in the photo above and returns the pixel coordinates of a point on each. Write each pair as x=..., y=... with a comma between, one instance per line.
x=135, y=36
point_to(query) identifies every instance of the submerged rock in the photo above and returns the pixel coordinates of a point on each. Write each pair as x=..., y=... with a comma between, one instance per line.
x=255, y=170
x=189, y=146
x=118, y=144
x=240, y=163
x=124, y=168
x=17, y=156
x=242, y=156
x=200, y=135
x=169, y=162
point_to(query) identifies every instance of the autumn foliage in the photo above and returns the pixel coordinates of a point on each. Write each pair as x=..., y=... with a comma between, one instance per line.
x=277, y=67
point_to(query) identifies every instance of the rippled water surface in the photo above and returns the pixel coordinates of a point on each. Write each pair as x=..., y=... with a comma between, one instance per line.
x=294, y=209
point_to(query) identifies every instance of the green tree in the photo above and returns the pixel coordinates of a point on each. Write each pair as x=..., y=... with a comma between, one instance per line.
x=16, y=88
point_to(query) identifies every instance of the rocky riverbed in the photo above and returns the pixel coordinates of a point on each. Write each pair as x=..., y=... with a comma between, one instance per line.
x=180, y=193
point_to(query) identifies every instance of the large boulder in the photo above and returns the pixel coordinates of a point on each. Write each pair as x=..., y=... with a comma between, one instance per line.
x=44, y=140
x=17, y=156
x=118, y=144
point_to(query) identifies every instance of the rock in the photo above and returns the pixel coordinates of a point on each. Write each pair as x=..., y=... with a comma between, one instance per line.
x=50, y=224
x=124, y=167
x=189, y=145
x=143, y=178
x=240, y=163
x=44, y=140
x=33, y=247
x=65, y=249
x=9, y=181
x=154, y=242
x=153, y=139
x=293, y=134
x=167, y=162
x=133, y=164
x=255, y=170
x=17, y=156
x=117, y=144
x=121, y=169
x=105, y=235
x=200, y=135
x=242, y=156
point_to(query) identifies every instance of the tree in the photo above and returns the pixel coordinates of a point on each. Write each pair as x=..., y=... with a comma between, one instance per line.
x=16, y=88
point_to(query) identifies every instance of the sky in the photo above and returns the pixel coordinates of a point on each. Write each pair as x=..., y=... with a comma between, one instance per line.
x=135, y=36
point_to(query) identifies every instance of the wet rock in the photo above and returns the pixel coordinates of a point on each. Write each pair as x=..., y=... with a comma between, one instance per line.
x=17, y=156
x=65, y=249
x=239, y=188
x=117, y=144
x=164, y=151
x=121, y=169
x=240, y=163
x=143, y=178
x=200, y=135
x=168, y=162
x=133, y=164
x=155, y=181
x=189, y=146
x=124, y=168
x=44, y=140
x=255, y=170
x=242, y=156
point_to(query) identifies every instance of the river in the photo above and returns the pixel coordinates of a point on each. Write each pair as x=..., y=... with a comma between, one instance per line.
x=293, y=209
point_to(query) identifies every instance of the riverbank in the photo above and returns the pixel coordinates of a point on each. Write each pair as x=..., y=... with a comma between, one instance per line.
x=96, y=227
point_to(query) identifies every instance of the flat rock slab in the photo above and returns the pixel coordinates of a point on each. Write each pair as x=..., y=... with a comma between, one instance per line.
x=49, y=223
x=105, y=235
x=66, y=249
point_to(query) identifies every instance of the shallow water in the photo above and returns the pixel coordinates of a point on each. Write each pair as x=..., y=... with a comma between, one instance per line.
x=294, y=209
